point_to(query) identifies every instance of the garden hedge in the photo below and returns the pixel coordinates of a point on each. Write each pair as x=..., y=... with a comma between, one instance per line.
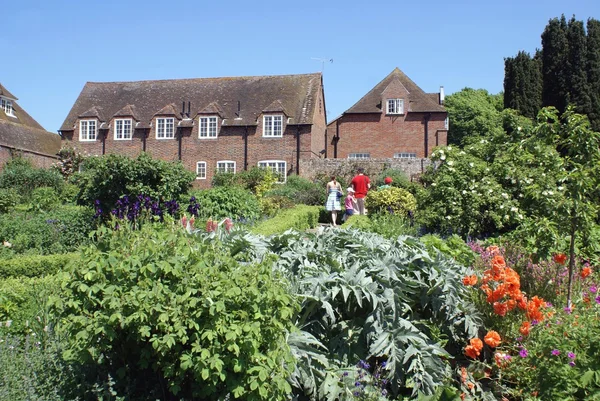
x=300, y=217
x=34, y=265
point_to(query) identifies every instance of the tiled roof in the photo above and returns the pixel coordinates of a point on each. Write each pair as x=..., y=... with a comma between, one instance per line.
x=127, y=111
x=297, y=94
x=418, y=100
x=4, y=92
x=22, y=137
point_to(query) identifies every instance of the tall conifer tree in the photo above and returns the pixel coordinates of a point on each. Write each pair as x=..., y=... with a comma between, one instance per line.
x=577, y=81
x=593, y=71
x=555, y=64
x=523, y=83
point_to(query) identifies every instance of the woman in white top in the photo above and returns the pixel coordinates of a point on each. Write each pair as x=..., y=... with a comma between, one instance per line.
x=334, y=195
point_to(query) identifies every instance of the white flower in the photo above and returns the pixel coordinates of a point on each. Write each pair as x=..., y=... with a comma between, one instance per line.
x=560, y=188
x=462, y=152
x=448, y=217
x=501, y=206
x=450, y=162
x=449, y=147
x=433, y=184
x=443, y=157
x=490, y=191
x=483, y=141
x=433, y=154
x=464, y=192
x=519, y=128
x=550, y=193
x=543, y=174
x=514, y=209
x=471, y=164
x=520, y=195
x=504, y=195
x=454, y=203
x=506, y=217
x=545, y=193
x=520, y=217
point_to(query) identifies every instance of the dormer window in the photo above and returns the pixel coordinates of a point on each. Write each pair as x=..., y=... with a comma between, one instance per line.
x=395, y=106
x=7, y=106
x=208, y=127
x=123, y=129
x=273, y=126
x=165, y=128
x=87, y=130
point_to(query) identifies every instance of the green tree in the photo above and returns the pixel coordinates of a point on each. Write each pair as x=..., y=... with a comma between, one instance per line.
x=593, y=71
x=523, y=83
x=555, y=58
x=473, y=112
x=577, y=82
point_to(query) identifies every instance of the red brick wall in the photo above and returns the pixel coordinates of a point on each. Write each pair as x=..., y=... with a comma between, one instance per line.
x=383, y=135
x=38, y=160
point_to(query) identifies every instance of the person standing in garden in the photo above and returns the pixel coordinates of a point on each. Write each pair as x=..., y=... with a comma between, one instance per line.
x=361, y=185
x=334, y=195
x=387, y=183
x=349, y=204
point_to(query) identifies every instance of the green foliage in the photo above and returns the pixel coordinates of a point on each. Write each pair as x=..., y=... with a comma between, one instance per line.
x=300, y=191
x=473, y=112
x=523, y=83
x=300, y=217
x=164, y=312
x=69, y=194
x=391, y=200
x=463, y=196
x=400, y=180
x=9, y=197
x=108, y=178
x=270, y=205
x=20, y=175
x=220, y=202
x=365, y=297
x=34, y=371
x=257, y=180
x=23, y=305
x=34, y=265
x=44, y=198
x=453, y=246
x=559, y=376
x=359, y=222
x=58, y=231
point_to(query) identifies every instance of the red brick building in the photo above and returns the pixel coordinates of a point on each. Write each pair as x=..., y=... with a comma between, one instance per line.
x=209, y=124
x=396, y=119
x=21, y=135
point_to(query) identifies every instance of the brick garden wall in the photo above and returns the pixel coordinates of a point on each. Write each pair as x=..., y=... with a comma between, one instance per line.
x=345, y=169
x=38, y=160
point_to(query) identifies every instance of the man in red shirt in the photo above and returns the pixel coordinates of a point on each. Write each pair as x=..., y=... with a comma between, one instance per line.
x=361, y=184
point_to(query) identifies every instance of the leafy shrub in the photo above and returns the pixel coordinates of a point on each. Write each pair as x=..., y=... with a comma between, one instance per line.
x=391, y=200
x=220, y=202
x=365, y=297
x=270, y=205
x=9, y=197
x=34, y=265
x=20, y=175
x=463, y=197
x=300, y=217
x=252, y=179
x=392, y=225
x=301, y=191
x=359, y=222
x=44, y=198
x=69, y=194
x=69, y=161
x=166, y=312
x=23, y=304
x=34, y=371
x=58, y=231
x=106, y=179
x=453, y=246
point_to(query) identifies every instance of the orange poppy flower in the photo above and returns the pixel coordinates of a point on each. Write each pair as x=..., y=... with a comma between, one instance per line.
x=493, y=250
x=586, y=271
x=470, y=280
x=471, y=352
x=525, y=328
x=560, y=258
x=500, y=308
x=476, y=343
x=492, y=339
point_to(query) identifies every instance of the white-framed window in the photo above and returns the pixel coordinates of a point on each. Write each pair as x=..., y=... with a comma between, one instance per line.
x=87, y=130
x=7, y=106
x=201, y=170
x=165, y=128
x=405, y=155
x=207, y=127
x=273, y=126
x=278, y=166
x=446, y=123
x=226, y=166
x=395, y=106
x=359, y=156
x=123, y=129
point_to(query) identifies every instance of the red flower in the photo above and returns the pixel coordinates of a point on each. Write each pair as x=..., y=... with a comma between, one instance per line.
x=586, y=271
x=470, y=280
x=525, y=328
x=560, y=258
x=492, y=339
x=500, y=308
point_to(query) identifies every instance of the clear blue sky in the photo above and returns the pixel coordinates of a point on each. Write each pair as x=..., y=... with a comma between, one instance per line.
x=51, y=48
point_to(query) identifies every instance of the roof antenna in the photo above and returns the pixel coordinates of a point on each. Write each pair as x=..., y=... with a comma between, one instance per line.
x=322, y=60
